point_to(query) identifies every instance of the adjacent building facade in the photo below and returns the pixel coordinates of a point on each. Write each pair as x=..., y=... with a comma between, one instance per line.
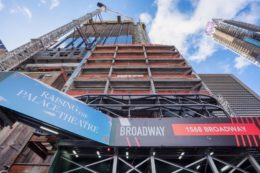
x=242, y=38
x=3, y=49
x=241, y=99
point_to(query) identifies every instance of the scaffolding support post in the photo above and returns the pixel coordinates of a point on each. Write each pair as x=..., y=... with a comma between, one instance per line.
x=254, y=163
x=212, y=164
x=76, y=72
x=153, y=168
x=115, y=159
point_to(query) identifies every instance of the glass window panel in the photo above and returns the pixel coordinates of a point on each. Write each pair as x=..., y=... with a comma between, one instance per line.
x=77, y=42
x=101, y=40
x=122, y=39
x=91, y=39
x=110, y=40
x=65, y=43
x=129, y=39
x=57, y=44
x=252, y=41
x=82, y=45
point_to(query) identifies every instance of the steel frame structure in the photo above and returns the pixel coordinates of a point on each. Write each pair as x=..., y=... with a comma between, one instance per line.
x=155, y=160
x=151, y=106
x=22, y=53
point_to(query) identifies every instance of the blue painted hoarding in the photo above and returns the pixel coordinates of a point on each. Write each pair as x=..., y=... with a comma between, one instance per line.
x=39, y=101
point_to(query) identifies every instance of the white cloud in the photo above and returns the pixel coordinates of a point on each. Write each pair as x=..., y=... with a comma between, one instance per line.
x=226, y=68
x=54, y=4
x=171, y=26
x=241, y=63
x=42, y=2
x=1, y=5
x=22, y=10
x=205, y=47
x=252, y=16
x=146, y=18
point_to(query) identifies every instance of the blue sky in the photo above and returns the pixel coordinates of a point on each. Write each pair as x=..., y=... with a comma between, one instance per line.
x=175, y=22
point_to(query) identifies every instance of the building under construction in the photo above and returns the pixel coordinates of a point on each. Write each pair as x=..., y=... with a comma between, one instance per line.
x=142, y=107
x=242, y=38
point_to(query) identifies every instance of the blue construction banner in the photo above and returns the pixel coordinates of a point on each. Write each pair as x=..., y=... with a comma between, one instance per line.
x=38, y=101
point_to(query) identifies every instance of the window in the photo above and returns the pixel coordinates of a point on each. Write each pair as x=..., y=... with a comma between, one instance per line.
x=110, y=40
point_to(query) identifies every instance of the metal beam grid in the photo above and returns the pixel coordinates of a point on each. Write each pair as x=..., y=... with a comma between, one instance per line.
x=22, y=53
x=139, y=63
x=152, y=160
x=67, y=55
x=110, y=29
x=190, y=105
x=105, y=28
x=59, y=55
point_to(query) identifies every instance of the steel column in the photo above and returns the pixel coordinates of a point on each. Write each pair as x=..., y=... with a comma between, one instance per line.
x=254, y=163
x=149, y=71
x=212, y=164
x=110, y=71
x=115, y=159
x=76, y=72
x=153, y=168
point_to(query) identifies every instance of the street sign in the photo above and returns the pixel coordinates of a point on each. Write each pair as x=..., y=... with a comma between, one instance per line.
x=186, y=132
x=42, y=103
